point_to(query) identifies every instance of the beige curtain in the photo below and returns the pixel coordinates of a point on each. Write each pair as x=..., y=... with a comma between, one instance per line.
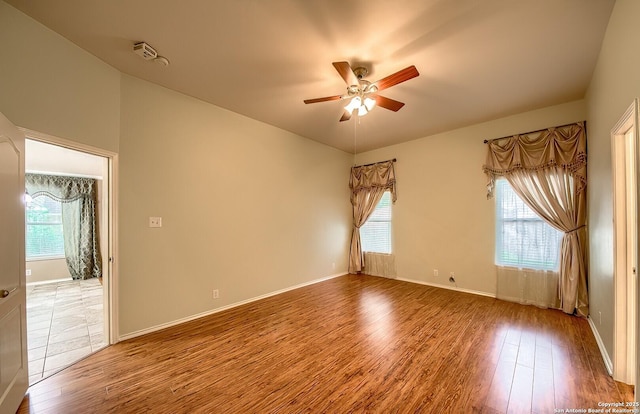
x=548, y=170
x=368, y=183
x=380, y=264
x=528, y=286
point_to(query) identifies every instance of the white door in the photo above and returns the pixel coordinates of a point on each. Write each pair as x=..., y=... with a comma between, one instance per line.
x=13, y=329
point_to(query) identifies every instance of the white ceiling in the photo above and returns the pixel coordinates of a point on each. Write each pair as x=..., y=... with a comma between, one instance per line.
x=478, y=60
x=51, y=159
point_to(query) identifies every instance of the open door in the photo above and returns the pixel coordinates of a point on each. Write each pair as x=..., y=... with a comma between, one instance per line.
x=13, y=329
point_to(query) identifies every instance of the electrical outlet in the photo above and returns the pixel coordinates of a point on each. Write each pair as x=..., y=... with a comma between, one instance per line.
x=599, y=317
x=28, y=272
x=435, y=272
x=452, y=277
x=216, y=293
x=155, y=221
x=333, y=265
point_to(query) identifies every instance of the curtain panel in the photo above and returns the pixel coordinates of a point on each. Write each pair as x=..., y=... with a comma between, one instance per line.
x=528, y=286
x=78, y=197
x=380, y=264
x=367, y=183
x=548, y=170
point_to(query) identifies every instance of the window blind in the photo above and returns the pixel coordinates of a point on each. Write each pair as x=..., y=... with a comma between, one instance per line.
x=375, y=234
x=44, y=228
x=523, y=239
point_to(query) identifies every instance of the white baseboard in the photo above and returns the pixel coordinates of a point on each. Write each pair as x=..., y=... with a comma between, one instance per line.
x=605, y=356
x=223, y=308
x=46, y=282
x=457, y=289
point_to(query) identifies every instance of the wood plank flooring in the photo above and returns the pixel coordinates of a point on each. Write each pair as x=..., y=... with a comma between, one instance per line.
x=350, y=344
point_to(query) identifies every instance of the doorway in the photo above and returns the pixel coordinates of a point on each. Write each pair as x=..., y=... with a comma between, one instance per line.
x=624, y=141
x=67, y=318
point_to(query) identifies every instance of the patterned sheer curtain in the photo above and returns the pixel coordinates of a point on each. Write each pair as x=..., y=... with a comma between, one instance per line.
x=78, y=197
x=368, y=183
x=548, y=170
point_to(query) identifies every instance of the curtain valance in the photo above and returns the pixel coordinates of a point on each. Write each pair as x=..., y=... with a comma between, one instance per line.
x=563, y=147
x=379, y=175
x=61, y=188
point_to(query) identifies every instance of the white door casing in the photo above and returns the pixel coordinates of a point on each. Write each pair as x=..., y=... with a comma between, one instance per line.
x=108, y=239
x=625, y=162
x=13, y=329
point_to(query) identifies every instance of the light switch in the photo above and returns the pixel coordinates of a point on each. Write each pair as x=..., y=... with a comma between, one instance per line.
x=155, y=221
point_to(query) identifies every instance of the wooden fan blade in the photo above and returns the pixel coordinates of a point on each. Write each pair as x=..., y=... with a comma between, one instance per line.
x=344, y=69
x=388, y=103
x=345, y=116
x=325, y=99
x=398, y=77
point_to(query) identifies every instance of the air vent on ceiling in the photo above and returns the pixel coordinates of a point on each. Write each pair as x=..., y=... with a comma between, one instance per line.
x=145, y=51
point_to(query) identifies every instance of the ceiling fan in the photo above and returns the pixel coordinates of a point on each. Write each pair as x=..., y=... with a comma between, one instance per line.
x=364, y=94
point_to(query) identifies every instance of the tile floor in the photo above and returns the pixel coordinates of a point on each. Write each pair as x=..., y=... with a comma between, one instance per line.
x=65, y=322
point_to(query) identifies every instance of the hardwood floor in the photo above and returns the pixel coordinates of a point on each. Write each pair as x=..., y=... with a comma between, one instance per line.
x=350, y=344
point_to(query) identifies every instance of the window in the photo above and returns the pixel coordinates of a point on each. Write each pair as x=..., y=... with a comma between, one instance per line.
x=375, y=234
x=523, y=239
x=44, y=228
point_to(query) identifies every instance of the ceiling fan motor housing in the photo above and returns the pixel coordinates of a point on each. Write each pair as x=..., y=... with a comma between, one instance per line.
x=363, y=86
x=360, y=72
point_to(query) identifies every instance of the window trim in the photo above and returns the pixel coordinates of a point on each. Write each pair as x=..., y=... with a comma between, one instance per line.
x=44, y=258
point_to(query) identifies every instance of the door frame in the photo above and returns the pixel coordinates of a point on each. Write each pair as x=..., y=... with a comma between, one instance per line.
x=626, y=320
x=111, y=284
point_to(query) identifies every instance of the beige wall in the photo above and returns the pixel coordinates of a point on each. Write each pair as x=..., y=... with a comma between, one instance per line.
x=246, y=208
x=47, y=270
x=615, y=83
x=442, y=219
x=50, y=85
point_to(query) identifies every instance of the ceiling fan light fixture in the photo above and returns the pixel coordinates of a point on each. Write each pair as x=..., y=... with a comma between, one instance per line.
x=369, y=103
x=354, y=104
x=363, y=106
